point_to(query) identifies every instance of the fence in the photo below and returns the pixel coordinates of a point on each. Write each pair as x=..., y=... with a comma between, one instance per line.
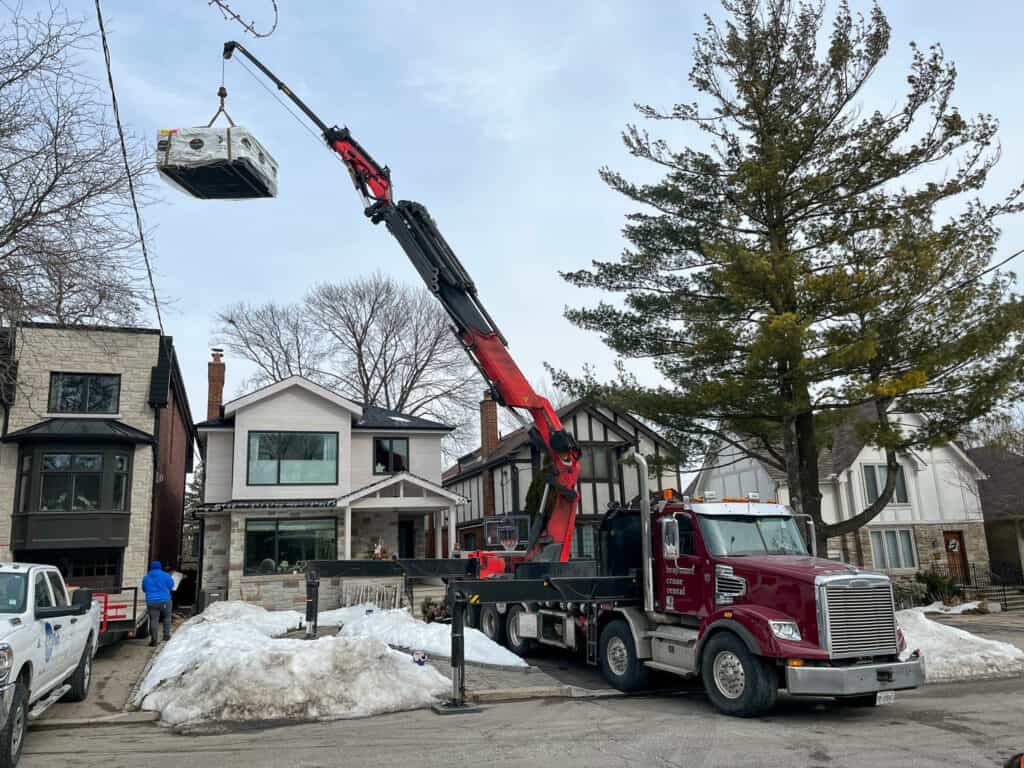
x=384, y=596
x=996, y=579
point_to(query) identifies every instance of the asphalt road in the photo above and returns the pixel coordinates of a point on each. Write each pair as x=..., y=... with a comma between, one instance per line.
x=975, y=724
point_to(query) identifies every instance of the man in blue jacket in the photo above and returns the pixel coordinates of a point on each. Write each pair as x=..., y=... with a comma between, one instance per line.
x=157, y=585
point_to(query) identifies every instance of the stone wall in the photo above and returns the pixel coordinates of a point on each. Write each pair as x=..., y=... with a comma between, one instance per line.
x=215, y=553
x=369, y=526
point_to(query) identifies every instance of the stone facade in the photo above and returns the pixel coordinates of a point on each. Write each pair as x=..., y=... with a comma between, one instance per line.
x=929, y=545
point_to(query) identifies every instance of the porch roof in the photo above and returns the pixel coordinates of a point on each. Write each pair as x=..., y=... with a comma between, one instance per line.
x=372, y=491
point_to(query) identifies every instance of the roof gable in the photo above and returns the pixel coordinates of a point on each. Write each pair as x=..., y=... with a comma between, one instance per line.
x=233, y=406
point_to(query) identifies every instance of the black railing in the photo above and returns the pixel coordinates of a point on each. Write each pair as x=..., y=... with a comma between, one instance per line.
x=997, y=578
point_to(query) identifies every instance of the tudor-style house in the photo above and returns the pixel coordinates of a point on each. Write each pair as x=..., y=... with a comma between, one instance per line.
x=933, y=521
x=295, y=472
x=96, y=442
x=496, y=476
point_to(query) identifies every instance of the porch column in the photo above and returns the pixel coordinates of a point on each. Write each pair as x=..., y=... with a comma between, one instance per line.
x=438, y=515
x=348, y=533
x=451, y=530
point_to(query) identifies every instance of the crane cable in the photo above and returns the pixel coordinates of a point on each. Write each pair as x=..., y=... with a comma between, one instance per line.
x=128, y=170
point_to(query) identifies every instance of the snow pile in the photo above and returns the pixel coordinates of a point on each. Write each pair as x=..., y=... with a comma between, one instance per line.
x=939, y=607
x=953, y=654
x=225, y=665
x=397, y=627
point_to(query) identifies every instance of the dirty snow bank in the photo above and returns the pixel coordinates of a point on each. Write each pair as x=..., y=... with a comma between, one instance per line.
x=939, y=607
x=397, y=627
x=953, y=654
x=225, y=665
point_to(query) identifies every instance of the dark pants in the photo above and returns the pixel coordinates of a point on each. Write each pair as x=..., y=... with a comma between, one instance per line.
x=159, y=612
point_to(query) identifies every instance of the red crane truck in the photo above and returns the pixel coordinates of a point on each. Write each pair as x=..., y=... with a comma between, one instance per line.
x=724, y=590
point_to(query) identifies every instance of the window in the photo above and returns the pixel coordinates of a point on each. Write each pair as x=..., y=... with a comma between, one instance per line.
x=874, y=479
x=893, y=548
x=43, y=599
x=686, y=538
x=598, y=464
x=390, y=455
x=80, y=480
x=284, y=546
x=60, y=597
x=24, y=483
x=90, y=568
x=12, y=592
x=584, y=541
x=84, y=392
x=293, y=458
x=725, y=536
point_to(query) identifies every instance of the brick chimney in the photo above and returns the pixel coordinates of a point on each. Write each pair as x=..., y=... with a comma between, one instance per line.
x=215, y=379
x=488, y=445
x=488, y=426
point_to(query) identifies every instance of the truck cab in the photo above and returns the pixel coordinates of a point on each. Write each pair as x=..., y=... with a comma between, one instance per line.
x=732, y=594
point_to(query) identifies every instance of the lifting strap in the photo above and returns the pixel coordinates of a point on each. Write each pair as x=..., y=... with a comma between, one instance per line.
x=222, y=93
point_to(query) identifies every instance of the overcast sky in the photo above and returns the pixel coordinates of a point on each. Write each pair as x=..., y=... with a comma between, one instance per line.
x=496, y=117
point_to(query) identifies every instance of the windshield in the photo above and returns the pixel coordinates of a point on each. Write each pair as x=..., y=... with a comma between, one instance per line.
x=12, y=592
x=743, y=535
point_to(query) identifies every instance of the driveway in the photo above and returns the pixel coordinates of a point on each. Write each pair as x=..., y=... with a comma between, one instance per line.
x=968, y=724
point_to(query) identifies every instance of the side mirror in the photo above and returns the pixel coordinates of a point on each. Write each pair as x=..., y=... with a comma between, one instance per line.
x=81, y=600
x=669, y=538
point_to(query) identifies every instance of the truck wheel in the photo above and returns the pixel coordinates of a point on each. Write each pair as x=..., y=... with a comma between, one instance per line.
x=472, y=617
x=521, y=646
x=492, y=624
x=12, y=736
x=82, y=677
x=619, y=663
x=738, y=682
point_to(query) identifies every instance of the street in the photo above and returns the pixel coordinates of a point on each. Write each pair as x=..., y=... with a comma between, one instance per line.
x=968, y=724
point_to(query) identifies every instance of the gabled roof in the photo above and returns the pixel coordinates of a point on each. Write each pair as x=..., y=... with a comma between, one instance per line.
x=62, y=429
x=277, y=387
x=511, y=443
x=400, y=477
x=1002, y=493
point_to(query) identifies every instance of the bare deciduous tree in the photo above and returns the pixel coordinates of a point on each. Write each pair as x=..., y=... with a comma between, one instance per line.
x=67, y=238
x=371, y=339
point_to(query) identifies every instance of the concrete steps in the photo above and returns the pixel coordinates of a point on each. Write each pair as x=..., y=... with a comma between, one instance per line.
x=1014, y=596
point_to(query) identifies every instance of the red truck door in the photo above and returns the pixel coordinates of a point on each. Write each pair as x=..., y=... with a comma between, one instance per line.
x=678, y=578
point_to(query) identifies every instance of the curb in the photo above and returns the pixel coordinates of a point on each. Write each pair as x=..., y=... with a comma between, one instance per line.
x=121, y=718
x=129, y=705
x=541, y=692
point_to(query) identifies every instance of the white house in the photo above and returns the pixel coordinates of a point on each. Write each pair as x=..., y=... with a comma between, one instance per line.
x=934, y=517
x=296, y=472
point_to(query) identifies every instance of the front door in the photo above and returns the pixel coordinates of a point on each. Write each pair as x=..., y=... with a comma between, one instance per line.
x=406, y=538
x=678, y=580
x=955, y=556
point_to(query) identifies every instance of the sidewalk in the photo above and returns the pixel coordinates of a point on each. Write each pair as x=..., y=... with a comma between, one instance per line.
x=116, y=669
x=1007, y=627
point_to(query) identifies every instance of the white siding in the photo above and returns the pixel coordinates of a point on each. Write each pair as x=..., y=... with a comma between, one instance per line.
x=293, y=409
x=219, y=449
x=424, y=456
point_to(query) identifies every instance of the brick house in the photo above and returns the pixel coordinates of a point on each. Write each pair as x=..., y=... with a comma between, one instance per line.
x=97, y=439
x=933, y=521
x=295, y=472
x=495, y=477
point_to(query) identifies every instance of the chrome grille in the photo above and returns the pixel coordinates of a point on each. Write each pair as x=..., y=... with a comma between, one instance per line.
x=859, y=617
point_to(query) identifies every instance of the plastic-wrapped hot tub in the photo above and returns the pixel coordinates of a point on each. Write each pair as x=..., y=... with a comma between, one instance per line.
x=216, y=163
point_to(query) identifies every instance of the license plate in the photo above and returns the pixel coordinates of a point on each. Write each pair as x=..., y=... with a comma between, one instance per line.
x=884, y=697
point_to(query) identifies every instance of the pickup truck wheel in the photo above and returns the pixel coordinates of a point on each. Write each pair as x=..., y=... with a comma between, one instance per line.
x=521, y=646
x=12, y=735
x=492, y=624
x=737, y=681
x=618, y=658
x=82, y=677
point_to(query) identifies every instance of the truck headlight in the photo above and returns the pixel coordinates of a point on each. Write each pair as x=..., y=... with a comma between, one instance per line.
x=786, y=630
x=6, y=660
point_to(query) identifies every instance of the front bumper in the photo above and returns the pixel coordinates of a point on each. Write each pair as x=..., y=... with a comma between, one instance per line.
x=6, y=697
x=855, y=680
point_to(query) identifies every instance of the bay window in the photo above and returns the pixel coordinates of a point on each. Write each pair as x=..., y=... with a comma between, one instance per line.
x=293, y=458
x=79, y=479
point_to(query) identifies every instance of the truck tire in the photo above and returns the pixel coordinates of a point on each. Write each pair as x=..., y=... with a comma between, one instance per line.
x=473, y=616
x=492, y=624
x=12, y=735
x=618, y=658
x=737, y=681
x=521, y=646
x=82, y=677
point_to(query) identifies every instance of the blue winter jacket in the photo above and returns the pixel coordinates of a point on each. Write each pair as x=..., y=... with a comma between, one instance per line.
x=157, y=584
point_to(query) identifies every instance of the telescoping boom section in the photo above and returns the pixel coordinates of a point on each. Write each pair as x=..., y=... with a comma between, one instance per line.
x=412, y=226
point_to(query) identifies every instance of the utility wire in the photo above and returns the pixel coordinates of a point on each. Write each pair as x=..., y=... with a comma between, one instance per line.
x=128, y=169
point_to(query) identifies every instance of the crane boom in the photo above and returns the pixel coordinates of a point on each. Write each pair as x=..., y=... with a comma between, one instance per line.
x=413, y=227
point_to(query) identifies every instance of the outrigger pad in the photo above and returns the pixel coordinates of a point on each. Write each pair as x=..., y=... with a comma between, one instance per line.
x=216, y=163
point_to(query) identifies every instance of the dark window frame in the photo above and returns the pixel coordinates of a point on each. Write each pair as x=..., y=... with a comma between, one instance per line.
x=35, y=452
x=612, y=466
x=51, y=406
x=390, y=471
x=248, y=571
x=248, y=455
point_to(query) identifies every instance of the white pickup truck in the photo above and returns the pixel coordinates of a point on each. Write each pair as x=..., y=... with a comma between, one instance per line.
x=47, y=641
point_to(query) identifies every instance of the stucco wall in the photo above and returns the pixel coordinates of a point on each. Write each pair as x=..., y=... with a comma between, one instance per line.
x=424, y=456
x=218, y=467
